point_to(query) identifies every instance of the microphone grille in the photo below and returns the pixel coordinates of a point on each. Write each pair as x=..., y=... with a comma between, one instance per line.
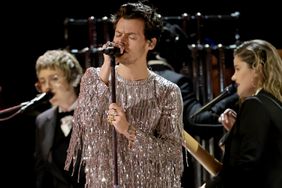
x=232, y=88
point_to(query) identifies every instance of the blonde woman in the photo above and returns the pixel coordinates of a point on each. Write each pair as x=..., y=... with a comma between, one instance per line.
x=253, y=149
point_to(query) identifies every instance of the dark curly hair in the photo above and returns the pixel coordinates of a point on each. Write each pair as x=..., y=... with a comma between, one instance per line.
x=140, y=10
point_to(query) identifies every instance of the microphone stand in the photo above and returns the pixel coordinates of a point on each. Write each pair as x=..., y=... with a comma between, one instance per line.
x=25, y=105
x=114, y=134
x=11, y=109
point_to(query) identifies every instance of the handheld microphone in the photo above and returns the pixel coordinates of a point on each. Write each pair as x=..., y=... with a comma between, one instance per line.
x=37, y=100
x=232, y=88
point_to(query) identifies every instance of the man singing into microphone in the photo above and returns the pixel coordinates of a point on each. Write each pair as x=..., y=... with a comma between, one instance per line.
x=147, y=114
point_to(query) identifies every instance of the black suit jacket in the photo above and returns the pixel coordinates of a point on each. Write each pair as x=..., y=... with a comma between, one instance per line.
x=253, y=150
x=49, y=171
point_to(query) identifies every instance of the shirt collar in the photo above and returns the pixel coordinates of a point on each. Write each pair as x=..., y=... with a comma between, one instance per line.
x=72, y=107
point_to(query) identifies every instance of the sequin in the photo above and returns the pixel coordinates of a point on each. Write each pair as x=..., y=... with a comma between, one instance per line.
x=154, y=107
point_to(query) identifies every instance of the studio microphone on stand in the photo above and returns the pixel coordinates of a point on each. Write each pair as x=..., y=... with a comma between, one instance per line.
x=111, y=49
x=37, y=100
x=15, y=110
x=227, y=91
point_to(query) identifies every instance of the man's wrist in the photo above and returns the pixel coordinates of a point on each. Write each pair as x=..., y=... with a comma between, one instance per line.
x=130, y=135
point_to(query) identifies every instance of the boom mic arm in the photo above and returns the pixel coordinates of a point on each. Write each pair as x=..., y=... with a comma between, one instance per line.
x=25, y=105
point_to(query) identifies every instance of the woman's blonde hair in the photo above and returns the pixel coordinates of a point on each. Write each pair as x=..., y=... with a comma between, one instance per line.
x=265, y=59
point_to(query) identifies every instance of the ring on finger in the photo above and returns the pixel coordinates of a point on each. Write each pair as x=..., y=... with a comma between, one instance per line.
x=110, y=118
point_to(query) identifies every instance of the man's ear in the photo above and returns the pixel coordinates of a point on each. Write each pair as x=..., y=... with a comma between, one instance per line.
x=76, y=81
x=152, y=43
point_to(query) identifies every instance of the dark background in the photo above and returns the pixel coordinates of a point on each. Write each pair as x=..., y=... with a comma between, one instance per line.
x=29, y=29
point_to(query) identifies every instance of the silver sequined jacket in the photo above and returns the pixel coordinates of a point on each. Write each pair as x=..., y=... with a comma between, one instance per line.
x=154, y=107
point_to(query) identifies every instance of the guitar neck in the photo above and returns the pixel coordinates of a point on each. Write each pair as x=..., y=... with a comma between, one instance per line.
x=211, y=164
